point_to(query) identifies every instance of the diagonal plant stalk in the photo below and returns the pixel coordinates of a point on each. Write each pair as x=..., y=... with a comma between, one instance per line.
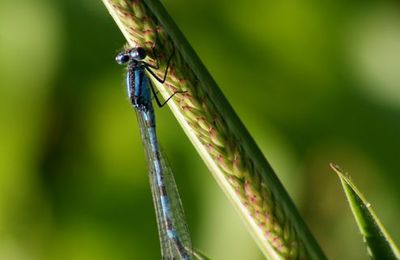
x=217, y=133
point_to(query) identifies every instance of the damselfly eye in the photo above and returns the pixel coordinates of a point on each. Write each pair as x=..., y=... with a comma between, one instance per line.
x=122, y=58
x=138, y=53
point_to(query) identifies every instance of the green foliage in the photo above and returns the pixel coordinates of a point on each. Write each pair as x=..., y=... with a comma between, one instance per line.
x=379, y=243
x=73, y=180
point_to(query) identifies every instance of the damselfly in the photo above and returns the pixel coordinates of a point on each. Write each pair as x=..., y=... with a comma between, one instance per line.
x=174, y=235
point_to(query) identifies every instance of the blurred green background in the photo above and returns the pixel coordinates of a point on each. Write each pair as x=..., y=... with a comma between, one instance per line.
x=314, y=81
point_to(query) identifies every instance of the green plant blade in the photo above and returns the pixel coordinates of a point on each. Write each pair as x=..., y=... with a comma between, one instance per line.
x=217, y=133
x=197, y=254
x=379, y=243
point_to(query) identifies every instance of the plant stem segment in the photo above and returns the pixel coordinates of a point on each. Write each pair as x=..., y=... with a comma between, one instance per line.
x=217, y=133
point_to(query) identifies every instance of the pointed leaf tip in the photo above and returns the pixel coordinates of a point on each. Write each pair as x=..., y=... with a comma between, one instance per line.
x=379, y=243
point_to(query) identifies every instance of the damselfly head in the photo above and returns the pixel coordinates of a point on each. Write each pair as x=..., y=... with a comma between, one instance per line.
x=137, y=53
x=122, y=58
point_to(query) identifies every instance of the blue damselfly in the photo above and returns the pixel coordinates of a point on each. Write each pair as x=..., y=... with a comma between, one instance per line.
x=174, y=235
